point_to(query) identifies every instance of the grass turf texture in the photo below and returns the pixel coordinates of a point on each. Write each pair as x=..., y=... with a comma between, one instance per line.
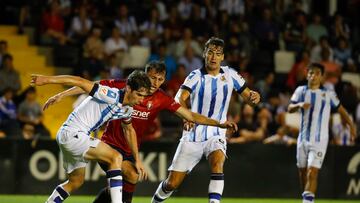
x=87, y=199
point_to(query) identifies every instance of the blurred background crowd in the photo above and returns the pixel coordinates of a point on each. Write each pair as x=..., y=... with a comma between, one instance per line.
x=269, y=42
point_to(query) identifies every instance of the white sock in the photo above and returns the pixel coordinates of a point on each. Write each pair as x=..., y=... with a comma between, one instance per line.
x=114, y=178
x=216, y=187
x=58, y=195
x=308, y=197
x=161, y=194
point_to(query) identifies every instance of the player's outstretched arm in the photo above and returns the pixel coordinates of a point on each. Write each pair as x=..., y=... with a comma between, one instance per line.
x=295, y=107
x=346, y=117
x=70, y=80
x=59, y=96
x=252, y=97
x=203, y=120
x=130, y=136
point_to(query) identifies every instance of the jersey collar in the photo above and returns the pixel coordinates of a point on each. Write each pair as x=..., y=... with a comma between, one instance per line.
x=204, y=71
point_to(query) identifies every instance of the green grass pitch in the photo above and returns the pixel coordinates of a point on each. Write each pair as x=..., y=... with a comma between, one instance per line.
x=88, y=199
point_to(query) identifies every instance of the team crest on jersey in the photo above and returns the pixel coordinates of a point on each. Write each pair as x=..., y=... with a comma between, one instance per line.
x=323, y=95
x=223, y=78
x=149, y=105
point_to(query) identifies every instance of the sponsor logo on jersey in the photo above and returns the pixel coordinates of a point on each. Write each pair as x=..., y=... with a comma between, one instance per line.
x=103, y=91
x=140, y=114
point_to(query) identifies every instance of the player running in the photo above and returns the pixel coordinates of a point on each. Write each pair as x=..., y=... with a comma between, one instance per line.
x=144, y=114
x=315, y=103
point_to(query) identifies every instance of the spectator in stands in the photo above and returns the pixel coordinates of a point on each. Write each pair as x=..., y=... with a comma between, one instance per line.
x=94, y=46
x=175, y=24
x=8, y=114
x=9, y=76
x=53, y=25
x=151, y=28
x=267, y=32
x=162, y=55
x=342, y=55
x=115, y=71
x=31, y=116
x=199, y=26
x=233, y=7
x=249, y=129
x=332, y=70
x=126, y=24
x=298, y=72
x=295, y=36
x=339, y=28
x=80, y=25
x=173, y=85
x=190, y=60
x=185, y=42
x=316, y=50
x=315, y=30
x=116, y=45
x=3, y=50
x=265, y=85
x=185, y=7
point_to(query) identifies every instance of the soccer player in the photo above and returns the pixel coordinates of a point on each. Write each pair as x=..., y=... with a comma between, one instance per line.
x=143, y=115
x=209, y=89
x=315, y=104
x=77, y=147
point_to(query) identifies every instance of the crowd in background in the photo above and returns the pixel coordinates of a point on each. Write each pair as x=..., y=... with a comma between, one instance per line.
x=99, y=33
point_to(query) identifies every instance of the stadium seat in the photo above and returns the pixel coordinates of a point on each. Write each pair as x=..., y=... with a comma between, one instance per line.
x=284, y=60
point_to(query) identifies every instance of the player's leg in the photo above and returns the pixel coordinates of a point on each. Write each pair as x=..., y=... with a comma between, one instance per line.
x=216, y=185
x=315, y=160
x=302, y=177
x=215, y=152
x=167, y=187
x=187, y=155
x=104, y=153
x=62, y=191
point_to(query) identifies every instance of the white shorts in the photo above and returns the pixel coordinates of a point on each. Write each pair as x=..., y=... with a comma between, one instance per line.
x=188, y=154
x=73, y=146
x=310, y=154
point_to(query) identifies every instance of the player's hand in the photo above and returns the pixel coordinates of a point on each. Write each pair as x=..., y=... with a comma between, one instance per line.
x=229, y=124
x=51, y=101
x=305, y=106
x=188, y=125
x=37, y=80
x=254, y=97
x=141, y=171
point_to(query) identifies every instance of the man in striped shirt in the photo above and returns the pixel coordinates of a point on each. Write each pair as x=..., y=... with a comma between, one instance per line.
x=315, y=104
x=209, y=89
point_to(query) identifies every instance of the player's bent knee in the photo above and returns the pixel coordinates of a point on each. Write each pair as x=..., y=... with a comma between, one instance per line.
x=76, y=182
x=171, y=185
x=131, y=176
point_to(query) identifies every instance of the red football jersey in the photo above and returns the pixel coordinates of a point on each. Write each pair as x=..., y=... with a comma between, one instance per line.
x=143, y=116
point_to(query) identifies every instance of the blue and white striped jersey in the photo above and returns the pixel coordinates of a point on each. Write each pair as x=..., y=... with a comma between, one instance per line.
x=210, y=96
x=314, y=125
x=103, y=104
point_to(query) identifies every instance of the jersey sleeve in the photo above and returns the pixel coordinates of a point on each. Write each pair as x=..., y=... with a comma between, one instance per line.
x=170, y=104
x=191, y=81
x=238, y=80
x=334, y=101
x=297, y=95
x=105, y=93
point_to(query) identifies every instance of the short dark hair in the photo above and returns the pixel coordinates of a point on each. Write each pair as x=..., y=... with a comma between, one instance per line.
x=158, y=66
x=318, y=66
x=216, y=42
x=137, y=80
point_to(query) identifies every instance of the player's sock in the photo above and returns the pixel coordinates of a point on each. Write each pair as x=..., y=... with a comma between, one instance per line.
x=58, y=195
x=216, y=187
x=308, y=197
x=161, y=194
x=103, y=196
x=114, y=178
x=128, y=191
